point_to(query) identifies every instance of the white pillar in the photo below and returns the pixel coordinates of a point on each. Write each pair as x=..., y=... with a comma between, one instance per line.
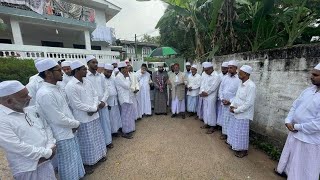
x=16, y=32
x=87, y=39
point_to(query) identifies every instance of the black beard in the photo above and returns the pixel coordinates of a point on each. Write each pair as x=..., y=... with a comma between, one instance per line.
x=161, y=70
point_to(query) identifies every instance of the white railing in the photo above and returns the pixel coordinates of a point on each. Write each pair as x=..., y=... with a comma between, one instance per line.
x=34, y=52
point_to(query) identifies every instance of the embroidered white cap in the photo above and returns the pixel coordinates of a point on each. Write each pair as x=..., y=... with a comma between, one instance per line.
x=101, y=65
x=45, y=64
x=116, y=70
x=76, y=64
x=90, y=57
x=108, y=67
x=188, y=64
x=194, y=66
x=114, y=62
x=122, y=64
x=10, y=87
x=37, y=60
x=233, y=63
x=65, y=63
x=246, y=68
x=225, y=64
x=207, y=64
x=317, y=67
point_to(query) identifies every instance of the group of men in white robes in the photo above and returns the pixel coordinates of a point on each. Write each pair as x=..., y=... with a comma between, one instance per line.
x=76, y=110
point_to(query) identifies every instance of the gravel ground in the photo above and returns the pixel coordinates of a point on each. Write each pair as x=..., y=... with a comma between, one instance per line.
x=166, y=148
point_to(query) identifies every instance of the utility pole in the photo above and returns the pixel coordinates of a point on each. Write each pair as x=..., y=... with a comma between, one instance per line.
x=135, y=44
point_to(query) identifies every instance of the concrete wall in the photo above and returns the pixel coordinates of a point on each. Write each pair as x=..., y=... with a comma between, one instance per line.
x=280, y=76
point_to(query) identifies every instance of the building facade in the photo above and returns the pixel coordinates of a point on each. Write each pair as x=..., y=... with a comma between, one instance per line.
x=59, y=29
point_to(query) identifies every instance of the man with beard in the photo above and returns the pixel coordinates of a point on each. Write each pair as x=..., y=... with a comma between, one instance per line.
x=123, y=84
x=65, y=65
x=301, y=153
x=177, y=81
x=97, y=81
x=54, y=108
x=26, y=139
x=224, y=72
x=112, y=100
x=209, y=91
x=160, y=79
x=85, y=105
x=227, y=91
x=242, y=107
x=35, y=82
x=193, y=88
x=143, y=96
x=135, y=88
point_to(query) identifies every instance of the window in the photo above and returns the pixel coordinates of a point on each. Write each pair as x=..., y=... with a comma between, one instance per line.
x=146, y=50
x=6, y=41
x=80, y=46
x=51, y=44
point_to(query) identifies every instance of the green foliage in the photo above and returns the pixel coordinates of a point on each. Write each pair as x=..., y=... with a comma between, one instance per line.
x=16, y=69
x=203, y=28
x=272, y=151
x=150, y=39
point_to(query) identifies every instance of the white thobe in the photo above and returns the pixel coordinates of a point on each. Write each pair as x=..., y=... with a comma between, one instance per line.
x=24, y=144
x=244, y=100
x=66, y=78
x=33, y=86
x=305, y=114
x=135, y=86
x=98, y=82
x=54, y=108
x=123, y=85
x=143, y=96
x=83, y=99
x=194, y=81
x=210, y=84
x=228, y=87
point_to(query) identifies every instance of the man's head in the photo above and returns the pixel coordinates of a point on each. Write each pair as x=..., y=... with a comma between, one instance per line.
x=315, y=75
x=232, y=67
x=49, y=70
x=172, y=67
x=14, y=95
x=244, y=73
x=207, y=68
x=100, y=67
x=224, y=68
x=92, y=63
x=143, y=69
x=123, y=68
x=194, y=69
x=160, y=67
x=79, y=70
x=176, y=68
x=188, y=66
x=114, y=64
x=66, y=67
x=129, y=68
x=108, y=69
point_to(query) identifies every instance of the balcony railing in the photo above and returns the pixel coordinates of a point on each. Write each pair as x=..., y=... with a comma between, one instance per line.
x=33, y=52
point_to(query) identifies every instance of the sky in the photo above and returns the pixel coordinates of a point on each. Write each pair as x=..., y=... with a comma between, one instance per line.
x=136, y=18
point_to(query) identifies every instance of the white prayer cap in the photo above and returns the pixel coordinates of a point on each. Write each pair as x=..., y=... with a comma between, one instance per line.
x=45, y=64
x=317, y=67
x=246, y=68
x=114, y=62
x=101, y=65
x=233, y=63
x=194, y=66
x=76, y=64
x=161, y=64
x=89, y=58
x=225, y=64
x=10, y=87
x=37, y=60
x=108, y=67
x=122, y=64
x=65, y=63
x=116, y=70
x=188, y=64
x=207, y=65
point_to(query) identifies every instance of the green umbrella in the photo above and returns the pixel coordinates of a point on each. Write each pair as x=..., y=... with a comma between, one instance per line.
x=163, y=51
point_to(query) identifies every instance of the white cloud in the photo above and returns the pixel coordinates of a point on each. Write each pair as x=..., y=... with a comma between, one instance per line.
x=136, y=18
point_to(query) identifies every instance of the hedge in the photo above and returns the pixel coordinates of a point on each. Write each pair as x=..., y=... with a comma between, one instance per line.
x=16, y=69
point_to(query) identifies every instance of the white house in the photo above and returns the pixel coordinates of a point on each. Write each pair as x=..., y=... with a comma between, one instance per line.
x=60, y=29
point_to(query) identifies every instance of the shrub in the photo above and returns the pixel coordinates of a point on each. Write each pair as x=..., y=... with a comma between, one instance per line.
x=16, y=69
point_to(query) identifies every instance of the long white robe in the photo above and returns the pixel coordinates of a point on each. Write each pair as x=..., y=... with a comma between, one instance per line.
x=143, y=96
